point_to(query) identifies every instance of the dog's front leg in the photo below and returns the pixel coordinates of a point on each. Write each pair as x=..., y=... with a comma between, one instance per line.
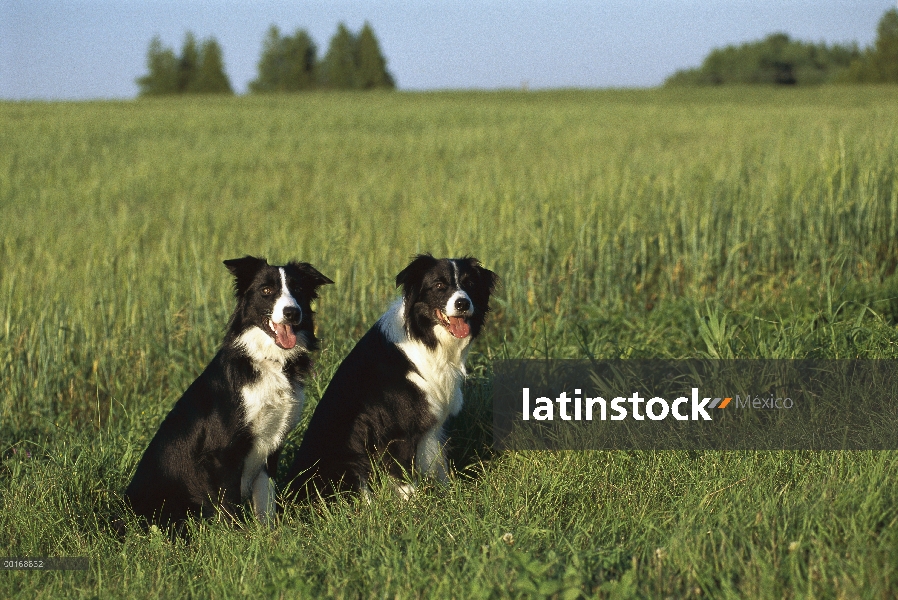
x=271, y=464
x=264, y=497
x=430, y=456
x=457, y=402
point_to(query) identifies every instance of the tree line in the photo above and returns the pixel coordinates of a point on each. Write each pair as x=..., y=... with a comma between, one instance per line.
x=289, y=63
x=777, y=59
x=199, y=69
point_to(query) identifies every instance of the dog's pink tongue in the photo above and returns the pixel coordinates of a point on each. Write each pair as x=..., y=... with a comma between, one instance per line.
x=286, y=339
x=459, y=327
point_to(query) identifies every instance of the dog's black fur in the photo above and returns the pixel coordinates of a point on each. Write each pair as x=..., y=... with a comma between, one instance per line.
x=220, y=443
x=390, y=397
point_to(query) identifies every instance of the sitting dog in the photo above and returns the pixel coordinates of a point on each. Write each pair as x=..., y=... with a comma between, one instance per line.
x=392, y=394
x=220, y=443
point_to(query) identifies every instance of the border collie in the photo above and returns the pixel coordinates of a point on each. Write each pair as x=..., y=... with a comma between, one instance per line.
x=392, y=394
x=220, y=443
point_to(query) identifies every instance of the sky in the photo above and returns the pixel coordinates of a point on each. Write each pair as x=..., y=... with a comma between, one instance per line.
x=95, y=49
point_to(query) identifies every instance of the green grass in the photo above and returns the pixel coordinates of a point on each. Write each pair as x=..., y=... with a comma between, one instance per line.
x=658, y=223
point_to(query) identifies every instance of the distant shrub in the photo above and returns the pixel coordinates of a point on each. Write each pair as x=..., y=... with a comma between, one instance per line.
x=775, y=60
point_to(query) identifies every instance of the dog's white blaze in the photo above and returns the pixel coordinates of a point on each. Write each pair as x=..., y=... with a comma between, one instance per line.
x=440, y=373
x=460, y=293
x=450, y=305
x=284, y=300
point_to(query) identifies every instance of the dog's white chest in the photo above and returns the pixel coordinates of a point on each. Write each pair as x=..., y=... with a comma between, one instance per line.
x=439, y=380
x=272, y=405
x=439, y=372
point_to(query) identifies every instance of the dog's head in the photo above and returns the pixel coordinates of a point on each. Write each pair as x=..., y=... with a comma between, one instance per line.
x=449, y=295
x=276, y=300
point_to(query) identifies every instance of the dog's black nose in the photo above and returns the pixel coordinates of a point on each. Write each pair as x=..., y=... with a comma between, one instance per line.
x=292, y=314
x=462, y=304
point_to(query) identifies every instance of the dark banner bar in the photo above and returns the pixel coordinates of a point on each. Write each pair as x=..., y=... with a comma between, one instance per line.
x=695, y=404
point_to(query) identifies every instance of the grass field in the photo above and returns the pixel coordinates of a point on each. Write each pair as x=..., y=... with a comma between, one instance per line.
x=656, y=223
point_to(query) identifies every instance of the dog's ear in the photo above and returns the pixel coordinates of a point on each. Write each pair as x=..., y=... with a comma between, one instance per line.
x=485, y=282
x=486, y=278
x=244, y=271
x=414, y=272
x=310, y=277
x=490, y=279
x=411, y=278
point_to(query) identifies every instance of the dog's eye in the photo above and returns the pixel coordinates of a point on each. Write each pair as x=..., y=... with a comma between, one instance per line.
x=440, y=286
x=267, y=290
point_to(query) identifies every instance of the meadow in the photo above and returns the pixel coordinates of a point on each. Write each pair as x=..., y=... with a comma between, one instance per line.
x=670, y=223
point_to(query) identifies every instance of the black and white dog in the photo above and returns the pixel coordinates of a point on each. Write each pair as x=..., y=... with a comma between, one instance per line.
x=220, y=443
x=392, y=394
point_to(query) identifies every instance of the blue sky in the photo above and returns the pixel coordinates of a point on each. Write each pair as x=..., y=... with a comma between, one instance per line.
x=82, y=49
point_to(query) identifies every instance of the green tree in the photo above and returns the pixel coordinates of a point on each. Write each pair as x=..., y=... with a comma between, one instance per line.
x=210, y=77
x=885, y=50
x=299, y=68
x=162, y=65
x=338, y=70
x=269, y=66
x=188, y=63
x=879, y=63
x=199, y=69
x=371, y=66
x=287, y=63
